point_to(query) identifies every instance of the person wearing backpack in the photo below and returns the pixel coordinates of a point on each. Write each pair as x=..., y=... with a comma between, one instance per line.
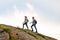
x=25, y=22
x=34, y=22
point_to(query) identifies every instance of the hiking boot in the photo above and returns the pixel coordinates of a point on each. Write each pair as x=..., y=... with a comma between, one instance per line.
x=36, y=31
x=32, y=29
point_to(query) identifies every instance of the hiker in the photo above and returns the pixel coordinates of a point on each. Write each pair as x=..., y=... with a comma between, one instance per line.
x=34, y=22
x=25, y=22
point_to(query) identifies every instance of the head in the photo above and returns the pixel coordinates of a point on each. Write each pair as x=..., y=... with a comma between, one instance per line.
x=25, y=17
x=33, y=18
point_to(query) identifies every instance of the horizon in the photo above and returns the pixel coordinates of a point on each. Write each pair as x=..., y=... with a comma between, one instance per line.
x=46, y=12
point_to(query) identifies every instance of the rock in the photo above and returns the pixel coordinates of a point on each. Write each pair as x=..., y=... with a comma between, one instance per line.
x=1, y=30
x=21, y=34
x=4, y=35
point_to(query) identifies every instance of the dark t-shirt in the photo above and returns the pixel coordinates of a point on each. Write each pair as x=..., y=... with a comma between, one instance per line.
x=34, y=22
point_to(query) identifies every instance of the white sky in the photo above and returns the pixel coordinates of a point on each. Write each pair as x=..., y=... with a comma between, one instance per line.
x=47, y=13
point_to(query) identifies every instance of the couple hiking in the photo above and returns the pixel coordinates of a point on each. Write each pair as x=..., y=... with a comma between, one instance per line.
x=34, y=22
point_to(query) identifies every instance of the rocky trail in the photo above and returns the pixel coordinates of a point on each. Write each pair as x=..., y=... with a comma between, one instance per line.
x=12, y=33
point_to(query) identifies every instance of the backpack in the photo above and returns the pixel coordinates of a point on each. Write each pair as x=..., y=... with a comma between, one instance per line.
x=35, y=22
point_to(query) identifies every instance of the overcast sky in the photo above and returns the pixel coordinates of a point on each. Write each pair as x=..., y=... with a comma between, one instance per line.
x=46, y=12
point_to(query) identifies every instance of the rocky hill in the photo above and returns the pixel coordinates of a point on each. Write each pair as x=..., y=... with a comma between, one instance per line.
x=8, y=32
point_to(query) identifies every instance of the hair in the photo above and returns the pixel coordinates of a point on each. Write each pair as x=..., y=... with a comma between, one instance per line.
x=32, y=17
x=25, y=16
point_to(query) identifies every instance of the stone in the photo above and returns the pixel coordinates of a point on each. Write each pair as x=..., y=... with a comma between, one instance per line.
x=1, y=30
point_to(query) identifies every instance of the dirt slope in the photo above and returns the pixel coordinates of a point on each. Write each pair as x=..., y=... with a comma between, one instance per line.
x=8, y=32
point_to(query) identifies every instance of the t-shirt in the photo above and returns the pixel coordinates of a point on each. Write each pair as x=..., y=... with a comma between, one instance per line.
x=26, y=21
